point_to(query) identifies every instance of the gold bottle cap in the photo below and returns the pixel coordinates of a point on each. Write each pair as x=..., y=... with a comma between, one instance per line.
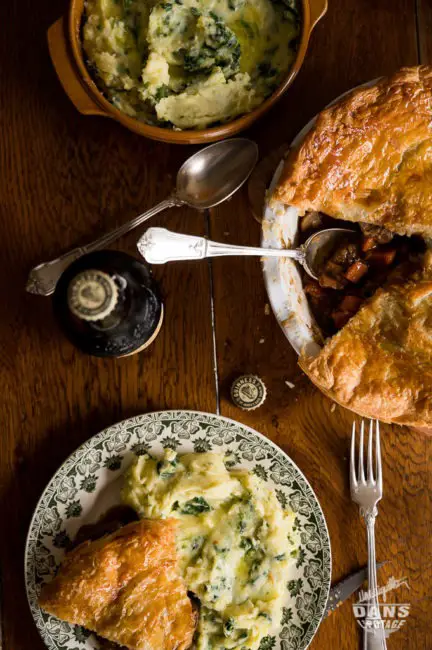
x=92, y=295
x=248, y=392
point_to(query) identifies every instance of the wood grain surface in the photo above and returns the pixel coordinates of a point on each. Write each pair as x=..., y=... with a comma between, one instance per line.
x=66, y=178
x=424, y=26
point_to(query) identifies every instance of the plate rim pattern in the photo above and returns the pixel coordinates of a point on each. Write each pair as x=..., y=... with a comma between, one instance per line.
x=112, y=435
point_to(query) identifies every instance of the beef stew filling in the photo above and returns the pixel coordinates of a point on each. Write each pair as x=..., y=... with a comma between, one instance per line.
x=353, y=271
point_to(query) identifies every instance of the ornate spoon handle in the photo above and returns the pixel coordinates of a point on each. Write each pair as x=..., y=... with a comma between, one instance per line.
x=43, y=278
x=159, y=246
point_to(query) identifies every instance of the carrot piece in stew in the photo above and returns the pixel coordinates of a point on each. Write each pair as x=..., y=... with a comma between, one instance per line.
x=383, y=257
x=356, y=271
x=368, y=244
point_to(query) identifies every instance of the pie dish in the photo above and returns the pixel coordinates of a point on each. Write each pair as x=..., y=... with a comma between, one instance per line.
x=367, y=159
x=127, y=588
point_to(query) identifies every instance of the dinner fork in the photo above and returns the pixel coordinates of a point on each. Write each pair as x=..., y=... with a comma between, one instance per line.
x=366, y=492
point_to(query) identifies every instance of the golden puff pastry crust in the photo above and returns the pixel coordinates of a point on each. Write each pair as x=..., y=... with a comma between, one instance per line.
x=380, y=364
x=126, y=587
x=369, y=157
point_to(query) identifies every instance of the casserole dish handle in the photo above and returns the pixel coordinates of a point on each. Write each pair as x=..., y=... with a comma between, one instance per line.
x=67, y=73
x=317, y=10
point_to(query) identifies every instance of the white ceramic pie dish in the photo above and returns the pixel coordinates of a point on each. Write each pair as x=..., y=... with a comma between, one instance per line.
x=282, y=277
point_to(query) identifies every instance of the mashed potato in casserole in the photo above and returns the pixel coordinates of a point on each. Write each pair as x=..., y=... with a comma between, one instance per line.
x=189, y=63
x=234, y=542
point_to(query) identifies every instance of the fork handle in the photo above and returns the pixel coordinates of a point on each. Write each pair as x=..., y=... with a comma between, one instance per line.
x=374, y=636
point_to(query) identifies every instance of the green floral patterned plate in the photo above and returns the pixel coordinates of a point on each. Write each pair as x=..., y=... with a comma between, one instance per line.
x=89, y=482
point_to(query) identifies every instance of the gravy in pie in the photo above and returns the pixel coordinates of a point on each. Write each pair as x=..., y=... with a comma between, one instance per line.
x=353, y=271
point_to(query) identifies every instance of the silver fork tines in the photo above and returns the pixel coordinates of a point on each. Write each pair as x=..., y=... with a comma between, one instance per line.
x=369, y=486
x=366, y=491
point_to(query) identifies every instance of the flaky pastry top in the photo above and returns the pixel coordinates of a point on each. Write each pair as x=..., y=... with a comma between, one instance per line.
x=369, y=157
x=380, y=364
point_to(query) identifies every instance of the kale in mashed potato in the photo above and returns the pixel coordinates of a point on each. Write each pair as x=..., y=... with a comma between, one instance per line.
x=235, y=543
x=189, y=63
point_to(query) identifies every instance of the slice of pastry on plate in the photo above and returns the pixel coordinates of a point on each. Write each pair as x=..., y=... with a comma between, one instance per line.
x=127, y=588
x=368, y=157
x=380, y=364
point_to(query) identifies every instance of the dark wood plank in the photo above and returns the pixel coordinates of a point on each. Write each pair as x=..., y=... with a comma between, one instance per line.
x=424, y=24
x=356, y=41
x=64, y=179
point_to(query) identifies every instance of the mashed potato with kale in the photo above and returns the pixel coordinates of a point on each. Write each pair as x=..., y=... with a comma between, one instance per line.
x=234, y=541
x=189, y=63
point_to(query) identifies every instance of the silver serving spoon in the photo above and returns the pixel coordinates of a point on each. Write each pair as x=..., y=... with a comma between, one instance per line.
x=159, y=245
x=206, y=179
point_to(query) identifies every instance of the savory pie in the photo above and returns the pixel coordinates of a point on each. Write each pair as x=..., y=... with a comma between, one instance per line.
x=369, y=157
x=368, y=160
x=127, y=588
x=380, y=364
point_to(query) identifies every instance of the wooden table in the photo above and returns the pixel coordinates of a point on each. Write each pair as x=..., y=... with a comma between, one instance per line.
x=65, y=178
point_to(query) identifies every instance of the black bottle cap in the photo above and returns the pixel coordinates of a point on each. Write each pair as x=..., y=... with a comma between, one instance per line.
x=108, y=304
x=248, y=392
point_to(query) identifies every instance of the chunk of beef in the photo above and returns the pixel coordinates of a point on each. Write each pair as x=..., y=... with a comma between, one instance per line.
x=346, y=254
x=379, y=233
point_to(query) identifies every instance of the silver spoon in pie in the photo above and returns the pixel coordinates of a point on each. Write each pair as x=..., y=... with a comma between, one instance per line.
x=159, y=246
x=209, y=177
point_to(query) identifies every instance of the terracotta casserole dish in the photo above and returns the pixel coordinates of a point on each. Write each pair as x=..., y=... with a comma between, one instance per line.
x=64, y=42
